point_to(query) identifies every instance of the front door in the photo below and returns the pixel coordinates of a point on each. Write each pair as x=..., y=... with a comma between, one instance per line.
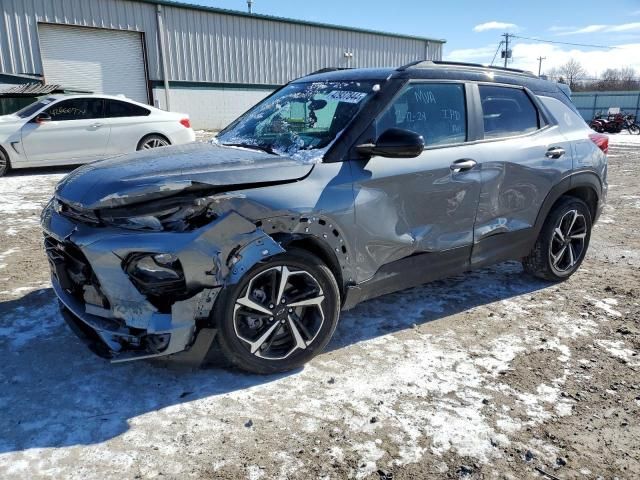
x=76, y=133
x=423, y=205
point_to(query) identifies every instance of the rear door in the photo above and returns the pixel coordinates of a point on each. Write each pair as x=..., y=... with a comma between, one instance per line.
x=408, y=206
x=523, y=155
x=76, y=133
x=128, y=123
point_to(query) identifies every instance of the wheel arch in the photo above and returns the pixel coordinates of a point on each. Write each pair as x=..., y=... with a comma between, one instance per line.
x=315, y=246
x=585, y=186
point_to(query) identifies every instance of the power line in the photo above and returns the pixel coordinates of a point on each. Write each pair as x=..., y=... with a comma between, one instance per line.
x=562, y=43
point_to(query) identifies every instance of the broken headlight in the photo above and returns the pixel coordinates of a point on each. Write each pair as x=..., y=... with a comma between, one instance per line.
x=159, y=276
x=170, y=214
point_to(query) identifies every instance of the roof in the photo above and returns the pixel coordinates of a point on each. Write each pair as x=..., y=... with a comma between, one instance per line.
x=438, y=71
x=29, y=90
x=237, y=13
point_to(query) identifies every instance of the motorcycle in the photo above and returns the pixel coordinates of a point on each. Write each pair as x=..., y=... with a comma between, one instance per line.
x=615, y=124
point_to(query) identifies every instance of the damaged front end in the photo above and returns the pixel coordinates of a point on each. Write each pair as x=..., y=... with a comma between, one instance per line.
x=141, y=282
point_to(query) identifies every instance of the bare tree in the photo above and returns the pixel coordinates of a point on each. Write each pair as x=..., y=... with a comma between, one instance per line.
x=628, y=78
x=573, y=72
x=553, y=74
x=609, y=79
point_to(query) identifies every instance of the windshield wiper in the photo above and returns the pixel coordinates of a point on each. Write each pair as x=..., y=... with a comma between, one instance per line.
x=251, y=146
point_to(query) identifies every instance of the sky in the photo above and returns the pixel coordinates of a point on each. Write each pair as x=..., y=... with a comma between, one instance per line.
x=473, y=29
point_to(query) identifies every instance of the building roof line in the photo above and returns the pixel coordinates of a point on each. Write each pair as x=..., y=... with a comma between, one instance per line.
x=273, y=18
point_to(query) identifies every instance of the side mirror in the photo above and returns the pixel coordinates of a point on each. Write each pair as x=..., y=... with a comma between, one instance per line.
x=43, y=118
x=394, y=143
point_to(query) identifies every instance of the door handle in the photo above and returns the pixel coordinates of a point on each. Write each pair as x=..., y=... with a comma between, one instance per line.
x=555, y=152
x=462, y=165
x=96, y=125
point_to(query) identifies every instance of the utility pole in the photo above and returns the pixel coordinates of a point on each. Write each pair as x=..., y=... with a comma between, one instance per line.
x=249, y=5
x=540, y=65
x=507, y=53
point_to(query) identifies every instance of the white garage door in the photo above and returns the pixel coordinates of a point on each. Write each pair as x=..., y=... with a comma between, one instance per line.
x=100, y=61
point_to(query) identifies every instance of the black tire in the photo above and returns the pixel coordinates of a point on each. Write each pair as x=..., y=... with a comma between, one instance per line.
x=634, y=129
x=5, y=165
x=541, y=261
x=229, y=317
x=145, y=142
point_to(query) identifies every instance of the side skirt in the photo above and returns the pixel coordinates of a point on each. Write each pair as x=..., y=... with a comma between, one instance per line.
x=409, y=272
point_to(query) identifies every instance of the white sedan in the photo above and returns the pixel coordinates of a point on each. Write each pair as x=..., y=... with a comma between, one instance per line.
x=73, y=129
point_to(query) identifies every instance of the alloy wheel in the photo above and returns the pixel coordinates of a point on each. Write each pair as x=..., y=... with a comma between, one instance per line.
x=3, y=164
x=279, y=312
x=568, y=242
x=154, y=142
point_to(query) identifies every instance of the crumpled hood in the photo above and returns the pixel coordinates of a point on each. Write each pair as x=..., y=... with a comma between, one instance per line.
x=153, y=174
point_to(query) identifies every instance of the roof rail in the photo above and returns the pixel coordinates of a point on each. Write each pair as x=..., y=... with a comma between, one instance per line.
x=428, y=63
x=327, y=69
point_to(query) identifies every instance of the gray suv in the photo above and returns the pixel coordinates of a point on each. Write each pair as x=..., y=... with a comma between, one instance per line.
x=339, y=187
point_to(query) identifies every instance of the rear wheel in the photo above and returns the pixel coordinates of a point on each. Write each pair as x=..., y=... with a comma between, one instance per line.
x=153, y=141
x=280, y=315
x=4, y=163
x=563, y=241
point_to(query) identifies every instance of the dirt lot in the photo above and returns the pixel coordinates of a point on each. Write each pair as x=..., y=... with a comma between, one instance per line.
x=486, y=375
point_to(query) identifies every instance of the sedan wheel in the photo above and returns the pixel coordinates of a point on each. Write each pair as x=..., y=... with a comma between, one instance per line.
x=280, y=315
x=4, y=164
x=153, y=141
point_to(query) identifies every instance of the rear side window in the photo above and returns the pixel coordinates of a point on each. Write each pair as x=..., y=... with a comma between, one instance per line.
x=76, y=109
x=434, y=110
x=507, y=112
x=116, y=108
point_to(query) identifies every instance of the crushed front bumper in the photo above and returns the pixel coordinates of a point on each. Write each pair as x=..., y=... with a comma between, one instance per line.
x=103, y=306
x=111, y=338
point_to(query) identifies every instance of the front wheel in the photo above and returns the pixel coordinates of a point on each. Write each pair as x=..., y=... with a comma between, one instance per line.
x=4, y=163
x=280, y=315
x=563, y=241
x=634, y=129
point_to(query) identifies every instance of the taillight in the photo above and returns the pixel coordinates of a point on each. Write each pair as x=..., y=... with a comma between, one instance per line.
x=185, y=123
x=602, y=141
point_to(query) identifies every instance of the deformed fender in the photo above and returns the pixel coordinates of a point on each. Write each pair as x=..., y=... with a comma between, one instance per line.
x=246, y=257
x=241, y=245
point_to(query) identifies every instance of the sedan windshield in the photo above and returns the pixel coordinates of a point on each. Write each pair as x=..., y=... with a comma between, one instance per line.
x=301, y=120
x=33, y=108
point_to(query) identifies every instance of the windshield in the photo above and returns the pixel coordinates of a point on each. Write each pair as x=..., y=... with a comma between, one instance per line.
x=301, y=120
x=33, y=108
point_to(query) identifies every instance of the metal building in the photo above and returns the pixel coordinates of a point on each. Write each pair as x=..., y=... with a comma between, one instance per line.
x=208, y=62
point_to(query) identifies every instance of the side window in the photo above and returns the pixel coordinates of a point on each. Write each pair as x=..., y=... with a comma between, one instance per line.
x=76, y=109
x=507, y=112
x=116, y=108
x=434, y=110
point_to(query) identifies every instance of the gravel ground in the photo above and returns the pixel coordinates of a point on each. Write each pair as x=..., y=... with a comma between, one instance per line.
x=489, y=374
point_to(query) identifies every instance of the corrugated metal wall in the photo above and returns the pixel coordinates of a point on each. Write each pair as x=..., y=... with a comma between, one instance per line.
x=206, y=46
x=590, y=103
